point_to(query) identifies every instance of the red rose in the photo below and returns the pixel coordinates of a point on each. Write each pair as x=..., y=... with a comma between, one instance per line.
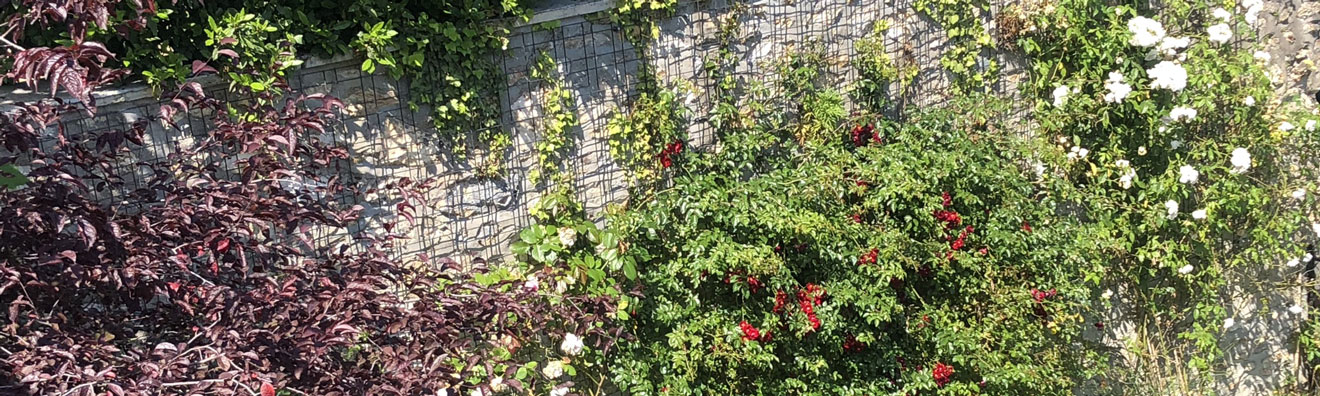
x=750, y=333
x=942, y=373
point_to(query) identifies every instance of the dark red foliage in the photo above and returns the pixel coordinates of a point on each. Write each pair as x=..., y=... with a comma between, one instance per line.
x=207, y=281
x=851, y=345
x=942, y=373
x=947, y=200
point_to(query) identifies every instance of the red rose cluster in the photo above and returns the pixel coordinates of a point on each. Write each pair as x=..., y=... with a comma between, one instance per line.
x=942, y=373
x=781, y=299
x=750, y=333
x=671, y=150
x=808, y=299
x=1040, y=296
x=865, y=134
x=869, y=257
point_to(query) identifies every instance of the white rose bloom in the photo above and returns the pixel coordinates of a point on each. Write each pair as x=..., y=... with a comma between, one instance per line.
x=1118, y=90
x=1262, y=56
x=1061, y=95
x=559, y=391
x=1222, y=14
x=1299, y=194
x=1286, y=126
x=1198, y=214
x=1172, y=208
x=1146, y=32
x=1293, y=262
x=1107, y=294
x=567, y=236
x=1122, y=163
x=1168, y=75
x=1188, y=175
x=1182, y=113
x=1228, y=323
x=1220, y=33
x=1252, y=8
x=1241, y=161
x=572, y=345
x=1141, y=150
x=1296, y=310
x=1249, y=101
x=553, y=369
x=1170, y=45
x=1186, y=269
x=1310, y=125
x=1175, y=144
x=1125, y=181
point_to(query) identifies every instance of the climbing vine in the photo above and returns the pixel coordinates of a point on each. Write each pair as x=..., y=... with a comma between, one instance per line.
x=557, y=118
x=967, y=38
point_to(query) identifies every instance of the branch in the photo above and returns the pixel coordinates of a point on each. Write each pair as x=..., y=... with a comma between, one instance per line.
x=11, y=44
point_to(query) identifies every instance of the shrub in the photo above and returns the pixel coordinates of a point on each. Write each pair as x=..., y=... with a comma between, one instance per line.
x=922, y=256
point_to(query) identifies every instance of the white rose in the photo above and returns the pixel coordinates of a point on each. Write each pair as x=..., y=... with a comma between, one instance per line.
x=1249, y=101
x=1168, y=75
x=1146, y=32
x=1241, y=160
x=1222, y=14
x=572, y=345
x=1061, y=95
x=567, y=236
x=1182, y=113
x=1220, y=33
x=1186, y=269
x=1198, y=214
x=1188, y=175
x=553, y=369
x=1172, y=208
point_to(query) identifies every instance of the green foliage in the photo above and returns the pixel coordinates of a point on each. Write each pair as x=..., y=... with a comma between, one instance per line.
x=876, y=70
x=968, y=38
x=244, y=43
x=558, y=117
x=725, y=244
x=819, y=107
x=638, y=136
x=445, y=49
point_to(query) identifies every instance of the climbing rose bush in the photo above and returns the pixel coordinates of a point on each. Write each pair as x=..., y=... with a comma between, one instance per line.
x=898, y=257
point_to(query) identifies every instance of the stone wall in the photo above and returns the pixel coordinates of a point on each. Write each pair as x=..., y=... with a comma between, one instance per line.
x=471, y=217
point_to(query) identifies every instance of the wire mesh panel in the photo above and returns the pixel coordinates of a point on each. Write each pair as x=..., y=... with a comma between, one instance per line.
x=471, y=215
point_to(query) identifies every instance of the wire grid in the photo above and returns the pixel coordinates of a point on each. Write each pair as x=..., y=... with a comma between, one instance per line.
x=476, y=217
